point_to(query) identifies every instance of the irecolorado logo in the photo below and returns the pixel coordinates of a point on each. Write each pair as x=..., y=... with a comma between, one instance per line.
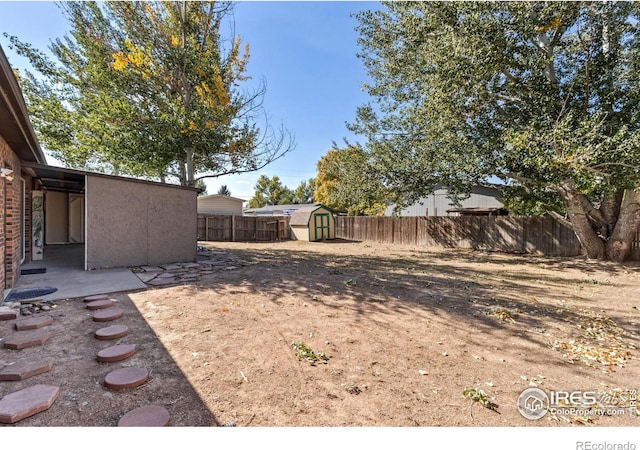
x=535, y=403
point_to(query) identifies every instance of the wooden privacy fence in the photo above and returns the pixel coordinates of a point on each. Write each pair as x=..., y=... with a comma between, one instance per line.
x=541, y=235
x=243, y=228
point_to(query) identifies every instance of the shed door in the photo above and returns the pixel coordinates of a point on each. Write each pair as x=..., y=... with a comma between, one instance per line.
x=322, y=228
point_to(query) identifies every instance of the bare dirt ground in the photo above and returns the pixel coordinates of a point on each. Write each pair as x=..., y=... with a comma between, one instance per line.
x=401, y=336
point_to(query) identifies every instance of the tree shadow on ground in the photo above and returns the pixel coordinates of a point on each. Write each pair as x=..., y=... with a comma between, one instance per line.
x=485, y=293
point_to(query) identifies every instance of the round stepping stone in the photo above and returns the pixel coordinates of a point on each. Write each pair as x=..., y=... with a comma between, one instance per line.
x=126, y=378
x=99, y=304
x=112, y=332
x=108, y=314
x=145, y=416
x=93, y=298
x=116, y=353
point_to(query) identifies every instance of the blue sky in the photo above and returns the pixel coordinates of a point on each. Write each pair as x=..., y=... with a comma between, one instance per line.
x=304, y=51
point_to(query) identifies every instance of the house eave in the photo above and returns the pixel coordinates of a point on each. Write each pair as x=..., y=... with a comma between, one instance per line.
x=15, y=126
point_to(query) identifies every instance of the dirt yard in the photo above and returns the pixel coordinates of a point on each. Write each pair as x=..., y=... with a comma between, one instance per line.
x=353, y=334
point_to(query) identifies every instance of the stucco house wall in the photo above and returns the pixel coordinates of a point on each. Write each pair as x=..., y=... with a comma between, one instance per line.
x=147, y=224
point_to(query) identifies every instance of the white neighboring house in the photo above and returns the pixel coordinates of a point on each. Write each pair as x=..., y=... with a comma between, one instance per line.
x=484, y=200
x=219, y=205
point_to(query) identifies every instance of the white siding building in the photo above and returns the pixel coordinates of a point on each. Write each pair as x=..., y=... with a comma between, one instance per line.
x=483, y=200
x=214, y=205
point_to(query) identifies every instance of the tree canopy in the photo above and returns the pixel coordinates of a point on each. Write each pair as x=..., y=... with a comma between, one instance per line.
x=345, y=181
x=271, y=191
x=544, y=95
x=224, y=190
x=151, y=89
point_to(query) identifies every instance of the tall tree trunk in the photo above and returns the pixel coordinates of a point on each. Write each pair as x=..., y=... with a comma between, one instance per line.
x=191, y=173
x=591, y=243
x=618, y=246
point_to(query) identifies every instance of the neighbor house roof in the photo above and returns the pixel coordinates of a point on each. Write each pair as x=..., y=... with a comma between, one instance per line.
x=15, y=126
x=269, y=208
x=206, y=197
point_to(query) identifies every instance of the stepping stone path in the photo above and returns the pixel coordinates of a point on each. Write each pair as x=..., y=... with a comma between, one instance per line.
x=37, y=398
x=107, y=315
x=26, y=368
x=189, y=272
x=27, y=402
x=7, y=313
x=93, y=298
x=145, y=416
x=116, y=353
x=31, y=400
x=99, y=304
x=126, y=378
x=24, y=339
x=34, y=323
x=112, y=332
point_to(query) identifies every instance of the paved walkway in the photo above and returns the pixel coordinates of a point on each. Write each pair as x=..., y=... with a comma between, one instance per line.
x=64, y=265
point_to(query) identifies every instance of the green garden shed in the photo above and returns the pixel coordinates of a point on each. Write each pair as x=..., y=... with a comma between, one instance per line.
x=313, y=223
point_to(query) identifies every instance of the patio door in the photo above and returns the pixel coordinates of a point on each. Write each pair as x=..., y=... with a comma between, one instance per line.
x=76, y=218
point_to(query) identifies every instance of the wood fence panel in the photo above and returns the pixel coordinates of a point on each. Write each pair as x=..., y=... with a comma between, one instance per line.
x=501, y=233
x=539, y=235
x=243, y=228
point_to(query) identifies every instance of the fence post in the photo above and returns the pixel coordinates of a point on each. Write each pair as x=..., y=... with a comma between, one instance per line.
x=206, y=228
x=233, y=228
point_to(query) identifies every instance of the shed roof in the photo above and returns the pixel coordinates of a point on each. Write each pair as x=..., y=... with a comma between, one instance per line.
x=302, y=215
x=63, y=178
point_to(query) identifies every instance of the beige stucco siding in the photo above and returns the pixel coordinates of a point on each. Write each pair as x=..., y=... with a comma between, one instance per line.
x=131, y=223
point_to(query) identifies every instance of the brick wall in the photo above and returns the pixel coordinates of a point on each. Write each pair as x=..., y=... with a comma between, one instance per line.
x=10, y=218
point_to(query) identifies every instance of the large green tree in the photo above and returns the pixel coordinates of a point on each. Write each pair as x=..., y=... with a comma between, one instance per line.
x=545, y=95
x=151, y=89
x=305, y=192
x=270, y=191
x=346, y=181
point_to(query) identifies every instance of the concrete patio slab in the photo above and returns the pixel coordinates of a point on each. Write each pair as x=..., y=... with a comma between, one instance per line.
x=83, y=283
